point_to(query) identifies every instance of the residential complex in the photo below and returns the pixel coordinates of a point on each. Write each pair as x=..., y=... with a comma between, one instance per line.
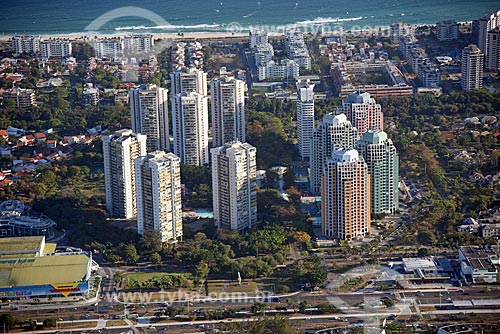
x=227, y=96
x=363, y=112
x=119, y=151
x=345, y=196
x=305, y=117
x=472, y=68
x=234, y=186
x=190, y=128
x=149, y=115
x=382, y=160
x=333, y=133
x=346, y=74
x=159, y=205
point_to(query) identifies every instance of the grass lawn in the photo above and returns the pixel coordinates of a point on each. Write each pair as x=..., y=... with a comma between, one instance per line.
x=84, y=324
x=143, y=277
x=232, y=287
x=115, y=322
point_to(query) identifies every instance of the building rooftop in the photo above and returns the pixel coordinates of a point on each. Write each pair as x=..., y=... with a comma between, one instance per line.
x=22, y=246
x=44, y=270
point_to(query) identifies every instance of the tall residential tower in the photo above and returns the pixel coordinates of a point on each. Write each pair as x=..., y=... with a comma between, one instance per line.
x=190, y=128
x=472, y=68
x=363, y=112
x=228, y=109
x=305, y=117
x=149, y=115
x=159, y=205
x=333, y=133
x=119, y=151
x=345, y=196
x=234, y=186
x=383, y=165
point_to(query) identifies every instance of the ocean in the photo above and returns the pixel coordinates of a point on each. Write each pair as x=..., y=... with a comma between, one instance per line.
x=157, y=16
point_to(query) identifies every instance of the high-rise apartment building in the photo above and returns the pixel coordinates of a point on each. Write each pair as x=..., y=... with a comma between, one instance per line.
x=363, y=112
x=188, y=80
x=333, y=133
x=345, y=196
x=190, y=128
x=447, y=30
x=234, y=186
x=159, y=205
x=119, y=151
x=472, y=68
x=482, y=26
x=493, y=54
x=382, y=159
x=227, y=96
x=305, y=117
x=149, y=114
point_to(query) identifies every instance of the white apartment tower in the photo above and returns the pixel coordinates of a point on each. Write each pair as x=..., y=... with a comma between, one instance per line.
x=228, y=109
x=345, y=196
x=190, y=128
x=383, y=165
x=119, y=151
x=149, y=115
x=333, y=133
x=159, y=206
x=363, y=112
x=472, y=68
x=305, y=117
x=234, y=172
x=188, y=80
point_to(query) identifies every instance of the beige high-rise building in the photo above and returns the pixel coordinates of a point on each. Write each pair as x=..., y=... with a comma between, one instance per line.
x=190, y=128
x=159, y=205
x=149, y=115
x=472, y=68
x=119, y=151
x=234, y=186
x=345, y=196
x=227, y=96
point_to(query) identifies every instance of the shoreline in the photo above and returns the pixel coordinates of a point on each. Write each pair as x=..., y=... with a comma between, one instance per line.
x=201, y=35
